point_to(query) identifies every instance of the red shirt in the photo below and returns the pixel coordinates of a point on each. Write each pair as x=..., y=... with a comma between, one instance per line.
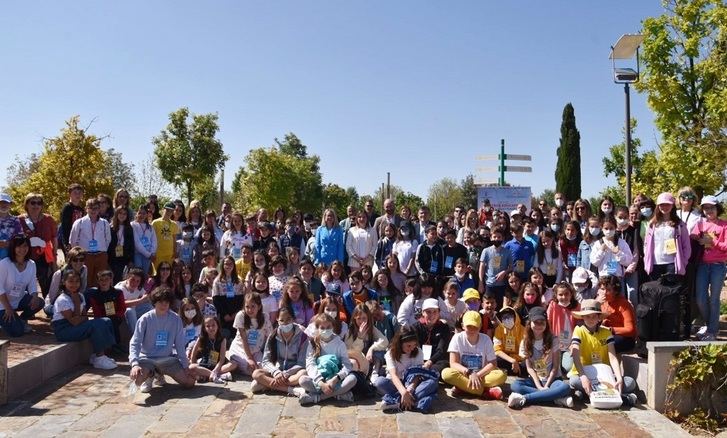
x=102, y=303
x=45, y=229
x=619, y=315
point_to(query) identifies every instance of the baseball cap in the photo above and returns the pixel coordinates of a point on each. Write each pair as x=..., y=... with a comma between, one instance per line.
x=4, y=197
x=470, y=293
x=169, y=206
x=665, y=198
x=707, y=200
x=537, y=313
x=580, y=275
x=471, y=319
x=430, y=303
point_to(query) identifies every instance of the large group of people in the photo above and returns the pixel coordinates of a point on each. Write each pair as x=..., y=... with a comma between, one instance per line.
x=392, y=304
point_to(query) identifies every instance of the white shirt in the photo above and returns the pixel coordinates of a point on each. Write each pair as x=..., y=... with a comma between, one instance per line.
x=128, y=293
x=472, y=356
x=63, y=303
x=236, y=240
x=410, y=307
x=662, y=233
x=690, y=218
x=405, y=251
x=13, y=284
x=360, y=242
x=403, y=364
x=145, y=239
x=83, y=232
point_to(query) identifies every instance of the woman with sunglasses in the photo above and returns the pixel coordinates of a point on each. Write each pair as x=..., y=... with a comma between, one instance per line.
x=18, y=288
x=688, y=210
x=42, y=230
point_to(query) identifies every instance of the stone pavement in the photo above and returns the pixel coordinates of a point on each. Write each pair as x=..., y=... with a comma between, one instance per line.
x=91, y=403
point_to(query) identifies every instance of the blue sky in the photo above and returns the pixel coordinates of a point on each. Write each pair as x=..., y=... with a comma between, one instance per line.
x=416, y=88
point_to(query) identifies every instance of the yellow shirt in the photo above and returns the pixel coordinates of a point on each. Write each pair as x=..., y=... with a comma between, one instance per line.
x=242, y=269
x=593, y=346
x=166, y=232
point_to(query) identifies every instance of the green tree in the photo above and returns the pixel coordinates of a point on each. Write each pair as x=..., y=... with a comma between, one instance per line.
x=74, y=156
x=187, y=151
x=469, y=192
x=568, y=168
x=548, y=196
x=337, y=198
x=149, y=181
x=292, y=146
x=443, y=196
x=615, y=164
x=410, y=200
x=684, y=74
x=122, y=173
x=309, y=192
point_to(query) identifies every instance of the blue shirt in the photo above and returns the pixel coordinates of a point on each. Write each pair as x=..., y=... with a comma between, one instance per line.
x=329, y=245
x=523, y=254
x=490, y=257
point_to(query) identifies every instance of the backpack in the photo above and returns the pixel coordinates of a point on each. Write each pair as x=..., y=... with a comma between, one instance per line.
x=658, y=312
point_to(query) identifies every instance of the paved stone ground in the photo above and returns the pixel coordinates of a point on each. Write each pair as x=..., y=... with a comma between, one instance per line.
x=91, y=403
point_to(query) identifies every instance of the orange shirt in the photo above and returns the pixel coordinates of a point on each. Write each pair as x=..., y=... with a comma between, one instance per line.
x=619, y=315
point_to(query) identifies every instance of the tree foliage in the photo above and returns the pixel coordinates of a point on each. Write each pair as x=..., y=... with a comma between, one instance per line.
x=74, y=156
x=469, y=192
x=548, y=196
x=187, y=151
x=568, y=168
x=338, y=198
x=443, y=196
x=684, y=55
x=149, y=181
x=615, y=164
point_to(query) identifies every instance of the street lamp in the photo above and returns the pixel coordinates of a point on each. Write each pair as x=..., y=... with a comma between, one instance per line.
x=625, y=48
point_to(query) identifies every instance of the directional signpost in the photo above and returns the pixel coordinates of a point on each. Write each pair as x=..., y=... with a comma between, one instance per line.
x=503, y=168
x=503, y=197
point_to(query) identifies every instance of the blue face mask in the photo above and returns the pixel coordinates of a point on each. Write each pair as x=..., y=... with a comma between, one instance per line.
x=646, y=212
x=473, y=306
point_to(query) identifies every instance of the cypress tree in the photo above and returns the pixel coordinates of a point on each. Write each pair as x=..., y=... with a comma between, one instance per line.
x=568, y=169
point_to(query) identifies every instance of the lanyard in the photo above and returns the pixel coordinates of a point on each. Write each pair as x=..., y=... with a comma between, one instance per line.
x=93, y=230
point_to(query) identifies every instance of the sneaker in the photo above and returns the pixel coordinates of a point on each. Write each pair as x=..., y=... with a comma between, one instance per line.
x=220, y=381
x=227, y=377
x=515, y=400
x=103, y=362
x=257, y=387
x=456, y=392
x=702, y=331
x=389, y=407
x=308, y=399
x=630, y=399
x=159, y=380
x=566, y=402
x=494, y=393
x=709, y=337
x=298, y=391
x=346, y=396
x=578, y=394
x=146, y=385
x=26, y=327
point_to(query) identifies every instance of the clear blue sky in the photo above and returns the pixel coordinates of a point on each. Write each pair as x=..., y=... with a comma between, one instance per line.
x=417, y=88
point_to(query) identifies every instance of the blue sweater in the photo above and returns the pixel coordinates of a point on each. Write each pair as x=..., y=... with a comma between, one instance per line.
x=329, y=245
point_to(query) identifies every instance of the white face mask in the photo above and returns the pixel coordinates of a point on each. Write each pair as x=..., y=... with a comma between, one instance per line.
x=646, y=212
x=286, y=328
x=332, y=313
x=555, y=227
x=622, y=222
x=595, y=231
x=508, y=322
x=563, y=304
x=558, y=203
x=228, y=225
x=190, y=313
x=609, y=234
x=187, y=235
x=606, y=210
x=325, y=334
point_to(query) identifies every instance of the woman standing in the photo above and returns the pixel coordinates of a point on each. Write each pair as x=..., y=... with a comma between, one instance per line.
x=121, y=249
x=360, y=243
x=329, y=240
x=42, y=231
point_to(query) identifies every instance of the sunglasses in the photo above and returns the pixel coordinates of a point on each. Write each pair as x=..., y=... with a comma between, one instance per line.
x=686, y=197
x=35, y=203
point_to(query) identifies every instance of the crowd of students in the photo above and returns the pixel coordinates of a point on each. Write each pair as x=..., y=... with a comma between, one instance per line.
x=391, y=304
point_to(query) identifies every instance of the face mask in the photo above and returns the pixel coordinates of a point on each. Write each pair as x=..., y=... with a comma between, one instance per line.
x=609, y=234
x=646, y=212
x=563, y=304
x=332, y=313
x=405, y=233
x=497, y=243
x=555, y=227
x=595, y=231
x=473, y=306
x=186, y=235
x=325, y=334
x=190, y=313
x=606, y=210
x=558, y=203
x=508, y=322
x=571, y=238
x=622, y=222
x=530, y=299
x=286, y=328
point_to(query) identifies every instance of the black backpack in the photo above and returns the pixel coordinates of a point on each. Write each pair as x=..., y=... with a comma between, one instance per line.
x=658, y=312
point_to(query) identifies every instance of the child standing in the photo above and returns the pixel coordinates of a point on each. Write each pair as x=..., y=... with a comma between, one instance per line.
x=455, y=306
x=185, y=245
x=208, y=354
x=561, y=321
x=404, y=249
x=253, y=329
x=542, y=358
x=529, y=297
x=227, y=295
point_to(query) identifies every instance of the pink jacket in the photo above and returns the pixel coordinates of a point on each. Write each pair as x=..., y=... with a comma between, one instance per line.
x=557, y=315
x=718, y=252
x=684, y=249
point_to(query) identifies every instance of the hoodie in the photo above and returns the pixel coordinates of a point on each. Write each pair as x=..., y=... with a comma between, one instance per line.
x=508, y=341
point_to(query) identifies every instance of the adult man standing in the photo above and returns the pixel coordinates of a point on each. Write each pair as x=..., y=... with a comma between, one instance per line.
x=420, y=228
x=389, y=217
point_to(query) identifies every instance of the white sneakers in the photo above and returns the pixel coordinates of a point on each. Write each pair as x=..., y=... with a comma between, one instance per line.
x=146, y=386
x=515, y=400
x=257, y=387
x=159, y=379
x=102, y=362
x=566, y=402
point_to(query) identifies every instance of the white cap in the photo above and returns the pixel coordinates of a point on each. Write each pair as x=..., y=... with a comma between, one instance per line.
x=709, y=200
x=4, y=197
x=580, y=275
x=430, y=303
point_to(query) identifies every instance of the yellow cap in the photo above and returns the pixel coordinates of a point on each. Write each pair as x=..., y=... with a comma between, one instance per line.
x=471, y=293
x=471, y=318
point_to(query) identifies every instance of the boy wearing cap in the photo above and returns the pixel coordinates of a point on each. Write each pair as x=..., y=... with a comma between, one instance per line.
x=593, y=344
x=166, y=231
x=433, y=335
x=472, y=361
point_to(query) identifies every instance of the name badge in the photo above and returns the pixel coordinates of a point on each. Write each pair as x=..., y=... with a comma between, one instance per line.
x=448, y=262
x=509, y=343
x=595, y=358
x=110, y=308
x=162, y=339
x=386, y=304
x=190, y=334
x=187, y=253
x=520, y=266
x=550, y=270
x=434, y=267
x=214, y=356
x=252, y=337
x=427, y=351
x=146, y=243
x=119, y=251
x=612, y=267
x=17, y=290
x=497, y=261
x=277, y=294
x=93, y=245
x=541, y=368
x=236, y=252
x=472, y=362
x=229, y=290
x=670, y=247
x=572, y=260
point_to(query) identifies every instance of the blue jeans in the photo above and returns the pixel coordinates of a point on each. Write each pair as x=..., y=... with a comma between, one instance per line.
x=133, y=314
x=142, y=262
x=16, y=327
x=424, y=393
x=710, y=276
x=526, y=387
x=629, y=384
x=100, y=330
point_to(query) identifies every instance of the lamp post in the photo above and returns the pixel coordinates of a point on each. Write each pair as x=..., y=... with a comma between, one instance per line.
x=625, y=48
